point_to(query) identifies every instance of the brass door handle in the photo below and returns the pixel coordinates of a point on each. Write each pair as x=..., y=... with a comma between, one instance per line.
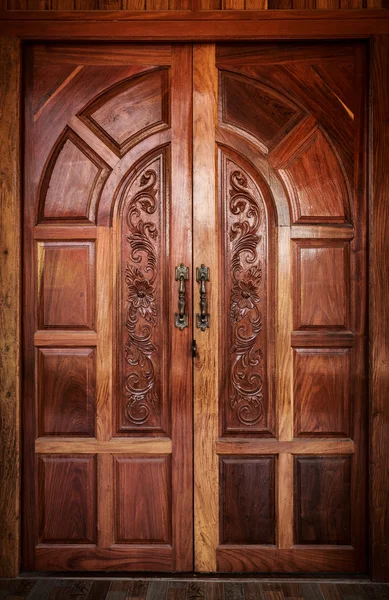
x=202, y=319
x=180, y=318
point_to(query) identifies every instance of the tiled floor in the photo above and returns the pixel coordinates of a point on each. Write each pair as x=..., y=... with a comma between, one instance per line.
x=139, y=589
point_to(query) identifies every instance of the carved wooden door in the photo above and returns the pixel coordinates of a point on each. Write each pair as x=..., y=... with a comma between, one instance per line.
x=108, y=392
x=280, y=418
x=276, y=152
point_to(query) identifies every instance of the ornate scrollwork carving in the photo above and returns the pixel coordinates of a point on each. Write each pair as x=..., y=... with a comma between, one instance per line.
x=246, y=397
x=141, y=318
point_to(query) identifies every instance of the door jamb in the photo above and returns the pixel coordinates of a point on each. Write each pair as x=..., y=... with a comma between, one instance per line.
x=17, y=27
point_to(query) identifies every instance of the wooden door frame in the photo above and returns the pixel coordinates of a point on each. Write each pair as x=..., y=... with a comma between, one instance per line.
x=18, y=27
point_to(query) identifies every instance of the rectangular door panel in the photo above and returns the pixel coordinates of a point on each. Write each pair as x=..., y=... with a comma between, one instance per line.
x=75, y=477
x=143, y=499
x=67, y=298
x=108, y=381
x=66, y=391
x=247, y=500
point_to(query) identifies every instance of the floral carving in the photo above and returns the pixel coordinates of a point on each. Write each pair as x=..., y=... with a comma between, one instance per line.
x=244, y=294
x=141, y=294
x=141, y=318
x=246, y=397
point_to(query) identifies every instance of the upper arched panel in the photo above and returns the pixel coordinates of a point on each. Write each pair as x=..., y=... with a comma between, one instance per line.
x=73, y=180
x=313, y=175
x=95, y=142
x=255, y=109
x=130, y=111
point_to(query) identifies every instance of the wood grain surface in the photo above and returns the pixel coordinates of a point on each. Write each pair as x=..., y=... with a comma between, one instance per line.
x=142, y=5
x=202, y=26
x=379, y=459
x=328, y=334
x=108, y=417
x=189, y=589
x=9, y=307
x=206, y=360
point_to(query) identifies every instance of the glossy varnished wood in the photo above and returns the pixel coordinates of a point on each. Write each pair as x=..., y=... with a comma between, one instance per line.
x=9, y=307
x=142, y=499
x=322, y=500
x=67, y=376
x=76, y=477
x=288, y=136
x=247, y=500
x=108, y=210
x=273, y=446
x=379, y=184
x=136, y=445
x=206, y=361
x=384, y=495
x=141, y=5
x=182, y=252
x=322, y=388
x=67, y=297
x=195, y=26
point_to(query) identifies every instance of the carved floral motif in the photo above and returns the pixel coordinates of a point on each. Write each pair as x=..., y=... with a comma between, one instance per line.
x=246, y=397
x=141, y=319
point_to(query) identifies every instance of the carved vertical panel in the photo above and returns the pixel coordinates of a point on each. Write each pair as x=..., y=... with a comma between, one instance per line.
x=142, y=382
x=246, y=381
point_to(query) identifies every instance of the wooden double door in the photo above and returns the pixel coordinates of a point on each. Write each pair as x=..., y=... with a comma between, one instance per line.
x=195, y=307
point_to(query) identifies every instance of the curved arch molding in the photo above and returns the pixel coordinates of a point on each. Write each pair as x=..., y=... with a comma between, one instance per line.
x=302, y=152
x=267, y=116
x=130, y=111
x=73, y=180
x=315, y=180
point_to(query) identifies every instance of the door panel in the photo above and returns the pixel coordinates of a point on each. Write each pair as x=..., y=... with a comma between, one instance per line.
x=287, y=456
x=143, y=269
x=260, y=442
x=108, y=410
x=247, y=310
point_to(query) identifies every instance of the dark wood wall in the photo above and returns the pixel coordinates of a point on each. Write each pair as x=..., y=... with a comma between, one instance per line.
x=190, y=4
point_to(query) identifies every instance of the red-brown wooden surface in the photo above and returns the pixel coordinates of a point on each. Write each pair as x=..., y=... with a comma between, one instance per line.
x=107, y=414
x=290, y=145
x=170, y=5
x=108, y=217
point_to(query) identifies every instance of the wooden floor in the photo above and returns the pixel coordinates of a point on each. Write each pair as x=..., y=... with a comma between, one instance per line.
x=106, y=589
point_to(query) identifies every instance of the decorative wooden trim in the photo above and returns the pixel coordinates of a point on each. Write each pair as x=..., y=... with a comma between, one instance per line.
x=247, y=446
x=124, y=558
x=50, y=445
x=274, y=560
x=328, y=232
x=379, y=309
x=181, y=251
x=45, y=337
x=284, y=386
x=285, y=501
x=335, y=15
x=60, y=232
x=194, y=26
x=104, y=331
x=9, y=306
x=206, y=476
